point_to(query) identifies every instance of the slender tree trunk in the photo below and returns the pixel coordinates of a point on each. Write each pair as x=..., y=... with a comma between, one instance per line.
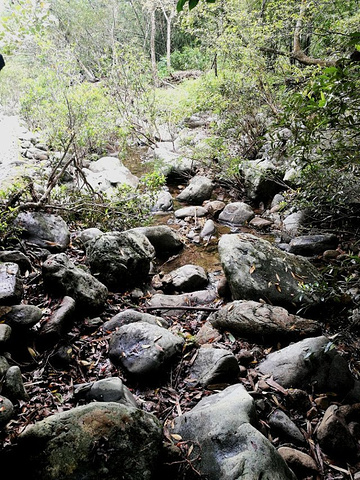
x=152, y=48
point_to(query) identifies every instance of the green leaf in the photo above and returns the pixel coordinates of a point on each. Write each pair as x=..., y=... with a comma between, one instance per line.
x=180, y=5
x=192, y=4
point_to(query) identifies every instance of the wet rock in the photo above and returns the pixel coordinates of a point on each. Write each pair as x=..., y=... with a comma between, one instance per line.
x=199, y=189
x=308, y=245
x=11, y=286
x=22, y=317
x=255, y=269
x=213, y=365
x=62, y=277
x=143, y=349
x=132, y=316
x=300, y=463
x=251, y=319
x=188, y=278
x=334, y=434
x=310, y=363
x=13, y=256
x=285, y=427
x=201, y=297
x=230, y=444
x=190, y=212
x=5, y=333
x=58, y=323
x=44, y=230
x=165, y=240
x=236, y=214
x=109, y=389
x=101, y=438
x=6, y=411
x=120, y=259
x=13, y=387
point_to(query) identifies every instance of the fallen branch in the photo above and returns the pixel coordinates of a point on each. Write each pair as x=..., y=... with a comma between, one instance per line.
x=184, y=307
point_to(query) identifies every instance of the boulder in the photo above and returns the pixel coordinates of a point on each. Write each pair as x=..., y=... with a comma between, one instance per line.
x=5, y=334
x=13, y=387
x=163, y=203
x=293, y=223
x=11, y=286
x=199, y=189
x=4, y=366
x=208, y=230
x=225, y=442
x=214, y=207
x=190, y=212
x=14, y=256
x=143, y=349
x=109, y=389
x=6, y=411
x=58, y=323
x=62, y=277
x=101, y=438
x=120, y=259
x=283, y=426
x=22, y=317
x=88, y=234
x=188, y=278
x=256, y=269
x=44, y=230
x=255, y=320
x=172, y=164
x=132, y=316
x=309, y=245
x=236, y=214
x=165, y=240
x=310, y=363
x=300, y=463
x=334, y=432
x=109, y=172
x=213, y=365
x=261, y=179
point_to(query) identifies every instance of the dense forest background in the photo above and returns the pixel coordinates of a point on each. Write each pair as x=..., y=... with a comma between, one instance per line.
x=98, y=76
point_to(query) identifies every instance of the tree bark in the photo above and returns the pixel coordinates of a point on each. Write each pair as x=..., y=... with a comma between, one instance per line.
x=297, y=53
x=152, y=48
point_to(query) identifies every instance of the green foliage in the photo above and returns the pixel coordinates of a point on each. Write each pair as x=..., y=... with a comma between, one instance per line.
x=192, y=4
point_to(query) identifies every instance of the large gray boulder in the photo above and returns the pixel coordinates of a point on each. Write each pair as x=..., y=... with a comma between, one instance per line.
x=120, y=259
x=255, y=269
x=236, y=214
x=11, y=286
x=310, y=363
x=62, y=277
x=109, y=172
x=188, y=278
x=44, y=229
x=163, y=238
x=261, y=179
x=226, y=443
x=214, y=365
x=98, y=440
x=143, y=349
x=199, y=189
x=312, y=244
x=251, y=319
x=109, y=389
x=168, y=303
x=132, y=316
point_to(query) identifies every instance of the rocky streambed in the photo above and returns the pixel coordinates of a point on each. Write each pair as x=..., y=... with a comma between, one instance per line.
x=198, y=347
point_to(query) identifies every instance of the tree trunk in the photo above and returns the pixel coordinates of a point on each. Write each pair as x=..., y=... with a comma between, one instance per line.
x=152, y=48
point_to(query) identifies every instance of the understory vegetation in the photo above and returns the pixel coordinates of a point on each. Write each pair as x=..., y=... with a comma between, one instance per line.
x=97, y=78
